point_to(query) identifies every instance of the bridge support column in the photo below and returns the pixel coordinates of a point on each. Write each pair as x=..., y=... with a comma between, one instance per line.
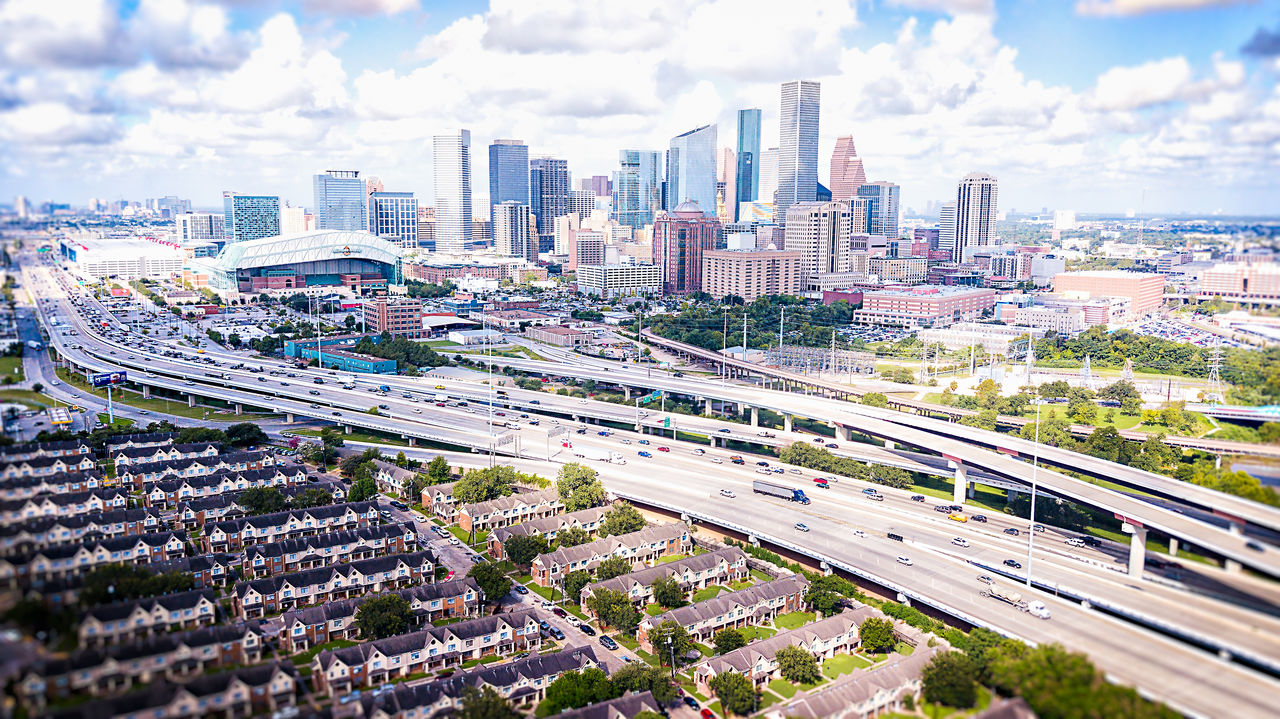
x=844, y=433
x=755, y=416
x=288, y=417
x=1173, y=547
x=413, y=441
x=239, y=409
x=786, y=422
x=961, y=483
x=626, y=393
x=1137, y=547
x=346, y=429
x=191, y=400
x=890, y=444
x=146, y=391
x=710, y=410
x=1236, y=529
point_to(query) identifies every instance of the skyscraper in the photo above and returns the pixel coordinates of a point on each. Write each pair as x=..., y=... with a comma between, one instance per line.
x=691, y=169
x=680, y=237
x=975, y=213
x=250, y=217
x=847, y=174
x=513, y=235
x=821, y=232
x=199, y=226
x=947, y=227
x=508, y=172
x=340, y=201
x=882, y=208
x=548, y=192
x=768, y=176
x=453, y=191
x=637, y=187
x=797, y=145
x=748, y=180
x=394, y=216
x=726, y=184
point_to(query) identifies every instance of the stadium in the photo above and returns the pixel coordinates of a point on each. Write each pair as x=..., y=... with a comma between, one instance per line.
x=358, y=261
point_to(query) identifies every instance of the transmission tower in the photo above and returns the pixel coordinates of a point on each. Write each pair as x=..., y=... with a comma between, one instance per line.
x=1127, y=374
x=1031, y=358
x=1086, y=373
x=1215, y=394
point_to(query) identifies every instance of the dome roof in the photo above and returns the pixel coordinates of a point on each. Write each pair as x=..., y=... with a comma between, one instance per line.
x=688, y=206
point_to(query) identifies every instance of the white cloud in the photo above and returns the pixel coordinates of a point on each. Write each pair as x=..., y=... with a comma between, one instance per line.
x=1130, y=88
x=68, y=33
x=950, y=7
x=362, y=7
x=1141, y=7
x=181, y=34
x=51, y=123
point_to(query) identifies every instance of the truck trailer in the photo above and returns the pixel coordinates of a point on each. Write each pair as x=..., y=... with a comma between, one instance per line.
x=602, y=455
x=779, y=491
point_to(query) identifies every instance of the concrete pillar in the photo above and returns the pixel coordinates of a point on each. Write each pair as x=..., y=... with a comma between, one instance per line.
x=1137, y=548
x=239, y=409
x=1173, y=547
x=890, y=444
x=626, y=393
x=1236, y=528
x=288, y=417
x=146, y=391
x=191, y=400
x=786, y=422
x=755, y=416
x=713, y=440
x=972, y=490
x=346, y=429
x=710, y=409
x=961, y=483
x=844, y=433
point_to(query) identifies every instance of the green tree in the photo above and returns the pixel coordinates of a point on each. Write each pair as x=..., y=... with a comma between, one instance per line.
x=613, y=566
x=245, y=434
x=667, y=592
x=638, y=677
x=362, y=488
x=622, y=518
x=116, y=582
x=524, y=548
x=481, y=485
x=950, y=679
x=320, y=454
x=875, y=399
x=1125, y=393
x=671, y=636
x=877, y=634
x=383, y=615
x=438, y=470
x=614, y=609
x=331, y=437
x=492, y=580
x=311, y=497
x=571, y=537
x=579, y=487
x=736, y=693
x=573, y=584
x=726, y=640
x=798, y=665
x=484, y=703
x=575, y=689
x=262, y=500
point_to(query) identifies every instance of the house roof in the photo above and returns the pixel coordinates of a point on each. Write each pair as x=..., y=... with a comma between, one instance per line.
x=611, y=545
x=696, y=563
x=724, y=603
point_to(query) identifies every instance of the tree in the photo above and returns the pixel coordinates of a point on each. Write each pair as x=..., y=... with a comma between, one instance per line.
x=351, y=464
x=611, y=567
x=245, y=434
x=798, y=665
x=484, y=703
x=726, y=640
x=638, y=677
x=622, y=518
x=571, y=537
x=331, y=437
x=950, y=679
x=492, y=580
x=573, y=584
x=320, y=454
x=579, y=487
x=382, y=616
x=613, y=609
x=114, y=582
x=481, y=485
x=875, y=399
x=575, y=689
x=438, y=470
x=262, y=500
x=311, y=497
x=38, y=387
x=876, y=634
x=736, y=693
x=1125, y=393
x=524, y=548
x=362, y=489
x=667, y=592
x=668, y=637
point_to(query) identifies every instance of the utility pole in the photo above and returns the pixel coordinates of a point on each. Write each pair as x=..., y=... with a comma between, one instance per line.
x=724, y=345
x=782, y=321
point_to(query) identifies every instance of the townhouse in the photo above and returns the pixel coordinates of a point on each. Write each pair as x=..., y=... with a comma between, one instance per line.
x=138, y=476
x=308, y=627
x=645, y=545
x=119, y=668
x=339, y=671
x=588, y=520
x=233, y=535
x=259, y=597
x=692, y=573
x=26, y=487
x=35, y=450
x=345, y=545
x=47, y=466
x=624, y=707
x=74, y=558
x=44, y=531
x=868, y=692
x=825, y=638
x=522, y=682
x=746, y=607
x=126, y=456
x=142, y=439
x=197, y=512
x=63, y=505
x=512, y=509
x=390, y=478
x=134, y=619
x=207, y=570
x=439, y=497
x=243, y=692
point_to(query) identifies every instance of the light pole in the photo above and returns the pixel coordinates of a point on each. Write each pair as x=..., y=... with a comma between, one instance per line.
x=1035, y=465
x=671, y=647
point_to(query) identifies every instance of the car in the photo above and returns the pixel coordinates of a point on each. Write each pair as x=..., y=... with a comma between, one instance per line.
x=985, y=579
x=314, y=392
x=980, y=518
x=626, y=441
x=691, y=702
x=859, y=533
x=904, y=559
x=832, y=445
x=608, y=643
x=942, y=508
x=520, y=589
x=454, y=541
x=820, y=482
x=546, y=604
x=399, y=505
x=544, y=626
x=642, y=441
x=1254, y=545
x=917, y=498
x=819, y=440
x=555, y=632
x=1038, y=527
x=643, y=453
x=724, y=431
x=559, y=612
x=707, y=714
x=762, y=463
x=717, y=460
x=1013, y=563
x=385, y=515
x=957, y=517
x=1075, y=542
x=727, y=493
x=417, y=410
x=449, y=576
x=587, y=629
x=1012, y=531
x=960, y=542
x=801, y=527
x=664, y=449
x=336, y=414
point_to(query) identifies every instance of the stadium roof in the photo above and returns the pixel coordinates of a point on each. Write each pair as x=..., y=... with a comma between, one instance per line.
x=313, y=246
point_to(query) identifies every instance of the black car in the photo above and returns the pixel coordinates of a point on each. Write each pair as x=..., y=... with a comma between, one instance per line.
x=979, y=518
x=1013, y=563
x=833, y=445
x=1012, y=531
x=555, y=632
x=559, y=612
x=588, y=630
x=608, y=643
x=917, y=498
x=693, y=703
x=762, y=463
x=399, y=505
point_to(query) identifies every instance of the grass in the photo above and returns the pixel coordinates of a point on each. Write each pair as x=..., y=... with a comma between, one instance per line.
x=626, y=640
x=12, y=367
x=843, y=664
x=32, y=400
x=177, y=408
x=793, y=620
x=706, y=650
x=441, y=343
x=708, y=593
x=654, y=610
x=487, y=659
x=482, y=536
x=360, y=436
x=761, y=576
x=735, y=586
x=688, y=686
x=752, y=633
x=120, y=423
x=647, y=657
x=782, y=688
x=672, y=558
x=904, y=649
x=307, y=656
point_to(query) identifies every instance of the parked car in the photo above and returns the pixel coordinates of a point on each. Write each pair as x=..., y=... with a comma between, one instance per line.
x=608, y=643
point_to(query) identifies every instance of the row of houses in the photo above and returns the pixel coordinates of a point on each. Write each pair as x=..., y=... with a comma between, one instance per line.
x=868, y=693
x=135, y=619
x=19, y=488
x=36, y=450
x=344, y=545
x=691, y=573
x=63, y=505
x=138, y=476
x=243, y=692
x=256, y=598
x=588, y=520
x=47, y=466
x=172, y=492
x=21, y=569
x=130, y=456
x=233, y=535
x=645, y=545
x=506, y=511
x=754, y=605
x=44, y=531
x=195, y=513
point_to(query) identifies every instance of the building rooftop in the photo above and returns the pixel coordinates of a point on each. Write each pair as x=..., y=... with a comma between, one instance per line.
x=1110, y=274
x=930, y=291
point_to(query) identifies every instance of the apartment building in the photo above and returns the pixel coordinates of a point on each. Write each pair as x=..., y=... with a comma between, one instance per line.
x=46, y=531
x=142, y=439
x=873, y=692
x=346, y=545
x=692, y=573
x=138, y=476
x=235, y=534
x=134, y=619
x=645, y=545
x=623, y=707
x=588, y=520
x=258, y=597
x=27, y=487
x=391, y=478
x=33, y=450
x=74, y=558
x=247, y=691
x=206, y=570
x=168, y=453
x=46, y=466
x=170, y=493
x=512, y=509
x=743, y=608
x=71, y=504
x=751, y=274
x=401, y=317
x=1145, y=290
x=924, y=305
x=439, y=497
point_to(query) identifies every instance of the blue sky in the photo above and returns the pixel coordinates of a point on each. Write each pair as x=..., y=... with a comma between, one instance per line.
x=1074, y=104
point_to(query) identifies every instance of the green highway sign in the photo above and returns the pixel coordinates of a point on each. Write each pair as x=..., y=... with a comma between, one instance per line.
x=666, y=422
x=651, y=397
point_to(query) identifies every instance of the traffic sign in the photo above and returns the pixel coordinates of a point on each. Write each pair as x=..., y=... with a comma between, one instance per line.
x=651, y=397
x=105, y=379
x=666, y=422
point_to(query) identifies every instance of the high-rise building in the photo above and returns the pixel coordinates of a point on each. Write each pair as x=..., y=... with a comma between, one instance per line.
x=797, y=145
x=548, y=192
x=751, y=273
x=295, y=220
x=508, y=172
x=373, y=184
x=512, y=234
x=637, y=187
x=250, y=217
x=199, y=227
x=691, y=169
x=585, y=247
x=453, y=191
x=582, y=202
x=394, y=216
x=976, y=209
x=680, y=237
x=768, y=179
x=748, y=180
x=600, y=185
x=172, y=206
x=847, y=174
x=726, y=184
x=882, y=207
x=820, y=231
x=946, y=228
x=340, y=201
x=427, y=228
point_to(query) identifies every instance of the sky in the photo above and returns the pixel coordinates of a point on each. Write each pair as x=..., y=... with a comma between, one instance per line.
x=1164, y=106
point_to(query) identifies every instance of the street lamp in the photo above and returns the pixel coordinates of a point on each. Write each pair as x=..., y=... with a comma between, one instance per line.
x=671, y=647
x=1035, y=465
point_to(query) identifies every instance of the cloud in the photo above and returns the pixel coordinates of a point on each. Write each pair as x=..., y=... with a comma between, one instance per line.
x=1131, y=88
x=179, y=34
x=949, y=7
x=55, y=124
x=362, y=7
x=1121, y=8
x=71, y=33
x=1264, y=43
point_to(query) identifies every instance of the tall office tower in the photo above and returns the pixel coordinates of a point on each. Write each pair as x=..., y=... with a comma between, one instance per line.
x=726, y=184
x=768, y=180
x=548, y=192
x=394, y=217
x=637, y=187
x=797, y=146
x=691, y=169
x=249, y=217
x=373, y=184
x=601, y=185
x=821, y=232
x=293, y=220
x=512, y=234
x=975, y=213
x=341, y=201
x=22, y=206
x=172, y=206
x=582, y=202
x=680, y=238
x=508, y=172
x=882, y=207
x=858, y=211
x=748, y=179
x=947, y=228
x=847, y=174
x=453, y=191
x=199, y=226
x=427, y=228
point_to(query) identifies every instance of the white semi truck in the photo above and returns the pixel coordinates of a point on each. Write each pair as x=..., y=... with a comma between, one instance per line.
x=602, y=455
x=1035, y=608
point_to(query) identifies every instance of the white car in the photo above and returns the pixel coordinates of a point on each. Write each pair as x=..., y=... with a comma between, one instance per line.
x=626, y=441
x=904, y=559
x=454, y=541
x=717, y=460
x=859, y=533
x=960, y=542
x=801, y=527
x=727, y=493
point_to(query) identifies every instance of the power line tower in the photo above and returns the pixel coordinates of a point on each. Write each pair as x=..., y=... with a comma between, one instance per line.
x=1127, y=373
x=1215, y=394
x=1031, y=358
x=1086, y=373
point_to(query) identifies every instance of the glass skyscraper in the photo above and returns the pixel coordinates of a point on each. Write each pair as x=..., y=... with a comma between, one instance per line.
x=508, y=172
x=250, y=217
x=453, y=191
x=394, y=216
x=797, y=145
x=691, y=169
x=548, y=192
x=882, y=208
x=637, y=187
x=748, y=158
x=340, y=201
